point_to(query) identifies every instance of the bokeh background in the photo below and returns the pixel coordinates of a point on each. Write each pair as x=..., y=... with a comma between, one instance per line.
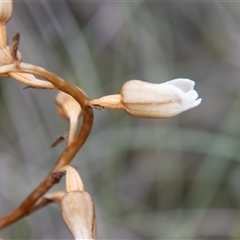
x=175, y=178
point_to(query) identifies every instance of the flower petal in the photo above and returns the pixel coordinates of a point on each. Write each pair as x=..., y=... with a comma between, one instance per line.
x=192, y=104
x=184, y=84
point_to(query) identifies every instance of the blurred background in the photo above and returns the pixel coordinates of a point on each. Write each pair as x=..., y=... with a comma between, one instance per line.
x=175, y=178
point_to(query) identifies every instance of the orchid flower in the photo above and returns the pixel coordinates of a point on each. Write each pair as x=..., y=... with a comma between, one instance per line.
x=144, y=99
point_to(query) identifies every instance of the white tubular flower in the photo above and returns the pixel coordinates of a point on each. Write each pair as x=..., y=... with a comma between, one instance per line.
x=143, y=99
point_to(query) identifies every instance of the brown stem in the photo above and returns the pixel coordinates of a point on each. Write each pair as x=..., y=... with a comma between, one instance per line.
x=68, y=153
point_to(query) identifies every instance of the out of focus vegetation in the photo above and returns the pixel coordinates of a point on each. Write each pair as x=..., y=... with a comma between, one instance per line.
x=177, y=178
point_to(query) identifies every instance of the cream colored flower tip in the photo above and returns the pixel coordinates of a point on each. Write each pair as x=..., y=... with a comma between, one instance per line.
x=143, y=99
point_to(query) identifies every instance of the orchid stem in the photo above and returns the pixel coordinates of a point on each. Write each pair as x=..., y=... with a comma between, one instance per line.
x=68, y=153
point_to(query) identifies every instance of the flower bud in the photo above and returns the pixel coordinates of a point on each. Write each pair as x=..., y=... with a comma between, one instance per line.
x=79, y=214
x=143, y=99
x=69, y=108
x=78, y=207
x=6, y=8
